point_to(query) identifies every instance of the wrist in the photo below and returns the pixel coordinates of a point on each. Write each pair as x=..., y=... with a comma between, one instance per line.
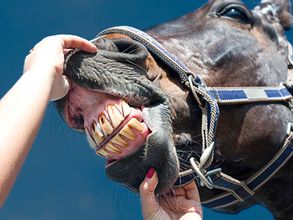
x=38, y=77
x=57, y=84
x=42, y=70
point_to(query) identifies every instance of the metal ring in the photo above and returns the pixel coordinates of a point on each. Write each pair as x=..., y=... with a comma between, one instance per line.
x=214, y=171
x=201, y=105
x=206, y=181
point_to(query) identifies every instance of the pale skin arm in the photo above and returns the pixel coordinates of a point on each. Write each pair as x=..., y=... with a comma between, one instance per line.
x=22, y=108
x=179, y=203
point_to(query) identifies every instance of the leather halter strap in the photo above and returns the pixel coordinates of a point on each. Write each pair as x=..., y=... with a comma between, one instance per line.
x=154, y=47
x=235, y=95
x=238, y=191
x=209, y=98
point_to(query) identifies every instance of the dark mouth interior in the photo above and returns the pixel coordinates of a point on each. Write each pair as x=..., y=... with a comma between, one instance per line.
x=110, y=162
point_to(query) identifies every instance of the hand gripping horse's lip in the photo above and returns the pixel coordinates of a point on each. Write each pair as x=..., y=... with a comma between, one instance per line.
x=118, y=132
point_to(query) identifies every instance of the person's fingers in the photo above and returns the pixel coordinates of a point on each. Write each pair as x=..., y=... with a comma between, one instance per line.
x=72, y=41
x=192, y=194
x=150, y=207
x=148, y=186
x=192, y=191
x=62, y=87
x=181, y=191
x=65, y=51
x=147, y=193
x=178, y=191
x=190, y=186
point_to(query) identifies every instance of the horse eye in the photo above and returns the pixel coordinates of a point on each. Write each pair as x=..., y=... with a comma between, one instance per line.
x=236, y=13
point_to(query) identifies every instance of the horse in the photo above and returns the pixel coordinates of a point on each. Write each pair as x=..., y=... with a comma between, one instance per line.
x=206, y=97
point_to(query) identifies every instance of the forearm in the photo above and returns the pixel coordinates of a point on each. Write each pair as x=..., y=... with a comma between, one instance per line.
x=21, y=112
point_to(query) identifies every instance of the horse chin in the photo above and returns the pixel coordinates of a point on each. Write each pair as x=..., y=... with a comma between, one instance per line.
x=157, y=152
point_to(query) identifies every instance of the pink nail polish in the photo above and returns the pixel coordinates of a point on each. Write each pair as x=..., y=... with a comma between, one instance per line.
x=150, y=173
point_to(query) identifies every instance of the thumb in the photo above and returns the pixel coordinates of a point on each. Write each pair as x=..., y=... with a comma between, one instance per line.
x=149, y=204
x=60, y=88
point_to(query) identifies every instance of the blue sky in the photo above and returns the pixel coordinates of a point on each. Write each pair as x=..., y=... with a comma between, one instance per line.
x=62, y=178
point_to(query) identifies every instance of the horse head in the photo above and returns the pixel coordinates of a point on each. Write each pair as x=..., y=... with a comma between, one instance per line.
x=137, y=113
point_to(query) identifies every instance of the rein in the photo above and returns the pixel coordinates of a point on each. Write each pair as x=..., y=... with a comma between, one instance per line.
x=209, y=99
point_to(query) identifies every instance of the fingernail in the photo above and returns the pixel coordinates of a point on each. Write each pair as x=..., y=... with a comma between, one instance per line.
x=150, y=173
x=94, y=46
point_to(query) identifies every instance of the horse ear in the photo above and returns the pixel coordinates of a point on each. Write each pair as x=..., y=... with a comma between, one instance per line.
x=280, y=9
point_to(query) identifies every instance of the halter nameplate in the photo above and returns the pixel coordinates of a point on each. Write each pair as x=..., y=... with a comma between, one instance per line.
x=235, y=95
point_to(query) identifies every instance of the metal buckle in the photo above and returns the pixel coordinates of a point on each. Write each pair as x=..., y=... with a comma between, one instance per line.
x=290, y=104
x=204, y=175
x=289, y=128
x=198, y=83
x=290, y=56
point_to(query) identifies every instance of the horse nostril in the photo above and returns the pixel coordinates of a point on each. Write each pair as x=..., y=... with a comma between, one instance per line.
x=127, y=50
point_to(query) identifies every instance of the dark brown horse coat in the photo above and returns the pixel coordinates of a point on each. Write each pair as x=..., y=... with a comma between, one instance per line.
x=228, y=45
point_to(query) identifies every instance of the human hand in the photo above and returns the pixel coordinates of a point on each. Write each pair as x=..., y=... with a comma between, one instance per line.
x=179, y=203
x=47, y=57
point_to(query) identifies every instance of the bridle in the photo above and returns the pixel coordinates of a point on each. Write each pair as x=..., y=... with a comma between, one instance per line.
x=209, y=99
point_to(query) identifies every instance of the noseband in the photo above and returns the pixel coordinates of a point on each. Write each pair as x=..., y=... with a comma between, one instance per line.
x=209, y=98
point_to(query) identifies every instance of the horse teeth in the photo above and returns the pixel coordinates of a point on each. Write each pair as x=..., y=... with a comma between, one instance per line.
x=119, y=107
x=103, y=153
x=119, y=141
x=90, y=139
x=126, y=108
x=105, y=124
x=128, y=133
x=110, y=147
x=98, y=129
x=134, y=123
x=97, y=134
x=115, y=115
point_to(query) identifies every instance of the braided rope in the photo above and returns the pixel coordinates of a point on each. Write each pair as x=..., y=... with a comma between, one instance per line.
x=208, y=126
x=208, y=129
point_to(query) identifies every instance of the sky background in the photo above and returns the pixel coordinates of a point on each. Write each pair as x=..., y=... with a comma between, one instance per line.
x=62, y=177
